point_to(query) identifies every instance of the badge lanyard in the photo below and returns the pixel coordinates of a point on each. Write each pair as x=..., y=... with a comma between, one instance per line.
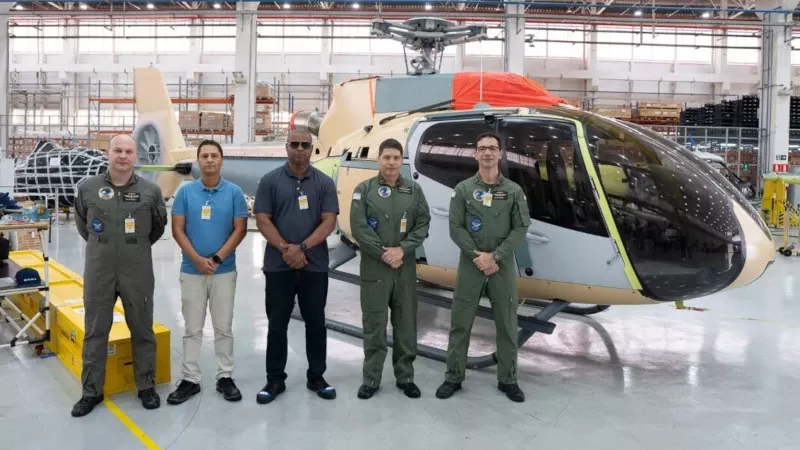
x=403, y=223
x=205, y=211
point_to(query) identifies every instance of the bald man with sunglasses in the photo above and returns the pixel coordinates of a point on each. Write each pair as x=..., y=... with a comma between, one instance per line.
x=296, y=207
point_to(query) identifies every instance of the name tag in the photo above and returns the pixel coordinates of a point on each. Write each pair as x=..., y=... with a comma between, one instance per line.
x=302, y=202
x=130, y=225
x=487, y=199
x=500, y=195
x=404, y=189
x=205, y=212
x=131, y=197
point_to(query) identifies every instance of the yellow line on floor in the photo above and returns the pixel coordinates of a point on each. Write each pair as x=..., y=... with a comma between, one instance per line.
x=131, y=426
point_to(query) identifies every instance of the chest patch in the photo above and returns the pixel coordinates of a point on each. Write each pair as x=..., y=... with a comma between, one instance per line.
x=404, y=189
x=106, y=193
x=475, y=224
x=500, y=195
x=477, y=194
x=97, y=225
x=372, y=222
x=384, y=191
x=131, y=197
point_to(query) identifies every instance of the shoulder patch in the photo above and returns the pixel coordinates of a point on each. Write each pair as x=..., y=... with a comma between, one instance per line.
x=356, y=195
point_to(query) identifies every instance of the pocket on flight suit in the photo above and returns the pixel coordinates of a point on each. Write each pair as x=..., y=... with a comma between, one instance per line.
x=373, y=296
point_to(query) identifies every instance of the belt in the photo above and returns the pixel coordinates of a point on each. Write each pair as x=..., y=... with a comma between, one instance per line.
x=125, y=240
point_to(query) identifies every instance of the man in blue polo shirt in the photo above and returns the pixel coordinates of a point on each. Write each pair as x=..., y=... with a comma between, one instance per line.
x=209, y=220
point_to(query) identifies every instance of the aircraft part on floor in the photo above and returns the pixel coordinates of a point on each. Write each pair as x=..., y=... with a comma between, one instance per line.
x=51, y=167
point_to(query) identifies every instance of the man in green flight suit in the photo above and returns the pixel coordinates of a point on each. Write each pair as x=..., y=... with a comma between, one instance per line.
x=389, y=218
x=488, y=221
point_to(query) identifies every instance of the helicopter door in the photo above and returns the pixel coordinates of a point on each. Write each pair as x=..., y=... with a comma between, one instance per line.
x=442, y=155
x=567, y=240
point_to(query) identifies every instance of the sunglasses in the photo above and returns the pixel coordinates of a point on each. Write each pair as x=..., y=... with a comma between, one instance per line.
x=295, y=145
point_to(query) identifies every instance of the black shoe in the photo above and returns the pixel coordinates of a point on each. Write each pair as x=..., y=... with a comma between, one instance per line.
x=410, y=389
x=513, y=392
x=150, y=399
x=228, y=389
x=269, y=392
x=185, y=390
x=365, y=392
x=85, y=405
x=447, y=389
x=322, y=388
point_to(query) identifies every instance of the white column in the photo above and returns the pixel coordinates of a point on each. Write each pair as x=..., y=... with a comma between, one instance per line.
x=195, y=47
x=5, y=123
x=515, y=40
x=244, y=102
x=719, y=60
x=776, y=72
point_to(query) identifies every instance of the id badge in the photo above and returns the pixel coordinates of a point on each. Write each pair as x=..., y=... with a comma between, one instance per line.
x=403, y=223
x=487, y=199
x=205, y=212
x=302, y=201
x=130, y=225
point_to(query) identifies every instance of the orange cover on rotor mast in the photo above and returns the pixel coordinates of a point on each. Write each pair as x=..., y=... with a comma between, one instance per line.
x=499, y=89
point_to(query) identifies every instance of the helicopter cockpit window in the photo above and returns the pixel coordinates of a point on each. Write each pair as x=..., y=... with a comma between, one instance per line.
x=446, y=152
x=543, y=157
x=671, y=209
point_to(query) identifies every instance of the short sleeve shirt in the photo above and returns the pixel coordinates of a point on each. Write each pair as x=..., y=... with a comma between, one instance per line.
x=296, y=205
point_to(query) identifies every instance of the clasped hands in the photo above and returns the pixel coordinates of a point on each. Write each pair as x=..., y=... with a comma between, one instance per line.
x=293, y=256
x=393, y=256
x=485, y=263
x=205, y=266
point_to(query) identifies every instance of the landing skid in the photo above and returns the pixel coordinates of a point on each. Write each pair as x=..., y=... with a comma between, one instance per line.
x=529, y=325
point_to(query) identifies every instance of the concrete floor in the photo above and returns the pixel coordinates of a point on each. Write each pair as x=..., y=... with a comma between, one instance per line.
x=629, y=378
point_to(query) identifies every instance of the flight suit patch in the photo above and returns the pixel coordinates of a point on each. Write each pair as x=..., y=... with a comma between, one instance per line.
x=475, y=224
x=372, y=222
x=131, y=197
x=404, y=189
x=384, y=191
x=97, y=225
x=477, y=194
x=501, y=195
x=106, y=193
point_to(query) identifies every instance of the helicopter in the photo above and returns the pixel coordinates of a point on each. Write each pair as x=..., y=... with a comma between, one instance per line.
x=620, y=215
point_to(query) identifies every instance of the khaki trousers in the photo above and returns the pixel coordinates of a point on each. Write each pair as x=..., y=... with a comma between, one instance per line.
x=215, y=293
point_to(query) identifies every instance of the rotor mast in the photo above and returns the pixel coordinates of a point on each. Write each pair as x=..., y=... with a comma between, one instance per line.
x=429, y=36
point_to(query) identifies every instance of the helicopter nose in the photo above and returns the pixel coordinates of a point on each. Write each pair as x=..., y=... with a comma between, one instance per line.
x=758, y=247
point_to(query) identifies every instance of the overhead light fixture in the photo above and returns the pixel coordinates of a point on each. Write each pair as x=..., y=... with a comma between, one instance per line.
x=287, y=6
x=19, y=7
x=637, y=13
x=428, y=6
x=356, y=6
x=217, y=6
x=706, y=15
x=150, y=6
x=83, y=6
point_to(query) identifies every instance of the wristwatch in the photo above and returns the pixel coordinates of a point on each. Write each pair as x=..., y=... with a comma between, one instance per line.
x=216, y=259
x=303, y=246
x=496, y=256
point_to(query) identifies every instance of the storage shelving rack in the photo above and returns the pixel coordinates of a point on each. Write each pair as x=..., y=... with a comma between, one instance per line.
x=42, y=227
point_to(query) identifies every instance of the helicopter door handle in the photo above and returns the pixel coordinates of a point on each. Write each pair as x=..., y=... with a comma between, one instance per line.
x=440, y=212
x=536, y=238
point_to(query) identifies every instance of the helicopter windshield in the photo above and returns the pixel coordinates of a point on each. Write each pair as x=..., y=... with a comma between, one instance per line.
x=672, y=210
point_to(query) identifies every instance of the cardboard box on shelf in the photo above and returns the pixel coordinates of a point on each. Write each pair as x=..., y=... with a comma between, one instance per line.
x=189, y=120
x=211, y=120
x=618, y=112
x=263, y=122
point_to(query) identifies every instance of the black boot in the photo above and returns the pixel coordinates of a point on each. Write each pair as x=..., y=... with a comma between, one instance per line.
x=270, y=391
x=322, y=388
x=85, y=405
x=185, y=390
x=513, y=392
x=150, y=399
x=410, y=389
x=447, y=389
x=229, y=390
x=365, y=392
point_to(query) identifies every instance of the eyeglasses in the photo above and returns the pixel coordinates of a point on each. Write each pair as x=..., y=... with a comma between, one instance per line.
x=490, y=148
x=295, y=145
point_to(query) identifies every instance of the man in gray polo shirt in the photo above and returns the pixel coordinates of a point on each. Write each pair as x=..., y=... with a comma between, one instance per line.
x=296, y=207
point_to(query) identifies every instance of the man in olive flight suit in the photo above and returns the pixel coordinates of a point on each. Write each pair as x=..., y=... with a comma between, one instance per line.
x=390, y=219
x=488, y=221
x=120, y=216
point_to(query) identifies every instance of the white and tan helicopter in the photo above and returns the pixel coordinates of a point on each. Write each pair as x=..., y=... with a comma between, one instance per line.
x=619, y=214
